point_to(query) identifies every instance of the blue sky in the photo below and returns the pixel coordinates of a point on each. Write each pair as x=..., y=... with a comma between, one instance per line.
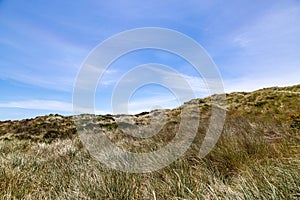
x=254, y=44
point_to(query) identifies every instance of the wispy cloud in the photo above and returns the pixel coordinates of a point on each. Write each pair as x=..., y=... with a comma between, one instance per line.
x=255, y=45
x=263, y=51
x=254, y=82
x=277, y=26
x=50, y=105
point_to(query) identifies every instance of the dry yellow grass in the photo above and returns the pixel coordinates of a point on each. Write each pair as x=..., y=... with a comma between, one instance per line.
x=257, y=157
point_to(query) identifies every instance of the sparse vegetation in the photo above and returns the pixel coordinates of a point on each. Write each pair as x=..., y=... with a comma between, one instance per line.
x=257, y=156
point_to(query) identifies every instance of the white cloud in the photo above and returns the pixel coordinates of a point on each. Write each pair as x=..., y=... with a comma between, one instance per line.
x=254, y=82
x=276, y=26
x=265, y=51
x=51, y=105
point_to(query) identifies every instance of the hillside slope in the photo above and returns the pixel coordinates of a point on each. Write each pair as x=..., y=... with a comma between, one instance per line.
x=279, y=103
x=256, y=157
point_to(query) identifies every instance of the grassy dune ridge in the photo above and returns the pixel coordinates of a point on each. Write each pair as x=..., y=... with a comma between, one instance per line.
x=256, y=157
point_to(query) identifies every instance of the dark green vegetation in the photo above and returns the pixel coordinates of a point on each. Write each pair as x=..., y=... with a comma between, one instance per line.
x=257, y=156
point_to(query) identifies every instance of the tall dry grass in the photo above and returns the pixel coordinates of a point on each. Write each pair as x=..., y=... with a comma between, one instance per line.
x=254, y=159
